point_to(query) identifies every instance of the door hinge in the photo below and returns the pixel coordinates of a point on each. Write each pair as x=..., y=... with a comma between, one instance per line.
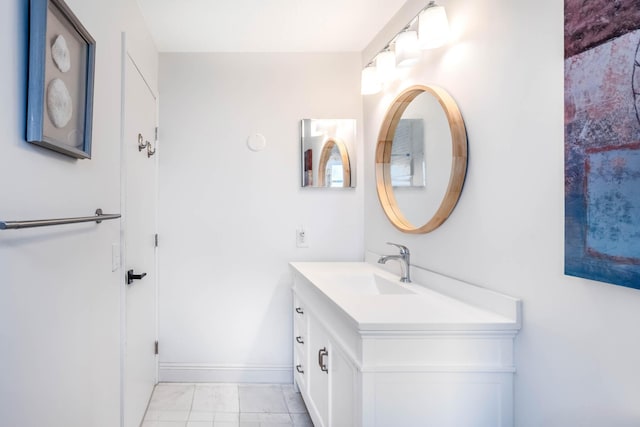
x=156, y=348
x=155, y=240
x=156, y=134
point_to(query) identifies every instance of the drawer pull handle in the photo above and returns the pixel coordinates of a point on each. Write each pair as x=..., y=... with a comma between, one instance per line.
x=321, y=354
x=299, y=369
x=300, y=340
x=299, y=310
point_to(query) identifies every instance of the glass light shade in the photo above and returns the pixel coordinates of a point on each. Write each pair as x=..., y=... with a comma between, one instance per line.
x=407, y=49
x=369, y=83
x=386, y=66
x=433, y=27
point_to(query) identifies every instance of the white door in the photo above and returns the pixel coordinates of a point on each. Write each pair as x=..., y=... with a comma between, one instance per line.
x=139, y=225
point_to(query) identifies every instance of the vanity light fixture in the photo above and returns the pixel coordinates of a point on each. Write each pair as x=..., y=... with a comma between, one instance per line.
x=407, y=49
x=386, y=65
x=429, y=29
x=433, y=26
x=370, y=84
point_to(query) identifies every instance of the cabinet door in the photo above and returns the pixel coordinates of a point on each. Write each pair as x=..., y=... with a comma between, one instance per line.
x=318, y=385
x=341, y=394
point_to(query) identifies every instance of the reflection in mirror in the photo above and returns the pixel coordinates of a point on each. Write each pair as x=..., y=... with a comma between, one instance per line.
x=326, y=148
x=433, y=141
x=407, y=154
x=419, y=192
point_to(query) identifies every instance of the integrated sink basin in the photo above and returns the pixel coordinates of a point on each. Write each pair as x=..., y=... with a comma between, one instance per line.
x=370, y=284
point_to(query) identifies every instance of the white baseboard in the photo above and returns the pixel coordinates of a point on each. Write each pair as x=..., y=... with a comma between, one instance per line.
x=197, y=372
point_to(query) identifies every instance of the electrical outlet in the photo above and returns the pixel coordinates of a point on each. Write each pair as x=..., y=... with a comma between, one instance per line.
x=302, y=237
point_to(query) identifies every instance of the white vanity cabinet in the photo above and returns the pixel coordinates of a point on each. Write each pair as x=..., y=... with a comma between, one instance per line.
x=389, y=358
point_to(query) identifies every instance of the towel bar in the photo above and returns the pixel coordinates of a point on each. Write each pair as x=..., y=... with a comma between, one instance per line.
x=98, y=218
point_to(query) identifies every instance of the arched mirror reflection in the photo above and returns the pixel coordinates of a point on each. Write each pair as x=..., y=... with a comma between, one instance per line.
x=421, y=159
x=327, y=145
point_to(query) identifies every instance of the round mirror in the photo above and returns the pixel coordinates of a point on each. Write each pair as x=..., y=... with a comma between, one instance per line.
x=421, y=159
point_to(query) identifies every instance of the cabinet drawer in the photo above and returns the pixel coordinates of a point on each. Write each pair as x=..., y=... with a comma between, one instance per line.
x=299, y=310
x=300, y=337
x=300, y=368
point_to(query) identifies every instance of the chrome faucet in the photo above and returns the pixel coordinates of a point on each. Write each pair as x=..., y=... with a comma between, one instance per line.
x=403, y=258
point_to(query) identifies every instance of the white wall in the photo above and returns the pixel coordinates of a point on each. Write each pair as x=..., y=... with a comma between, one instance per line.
x=577, y=354
x=59, y=299
x=228, y=215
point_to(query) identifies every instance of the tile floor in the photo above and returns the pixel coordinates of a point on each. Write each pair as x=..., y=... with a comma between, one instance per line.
x=226, y=405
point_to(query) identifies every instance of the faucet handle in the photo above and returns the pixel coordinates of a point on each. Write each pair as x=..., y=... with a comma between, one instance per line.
x=403, y=249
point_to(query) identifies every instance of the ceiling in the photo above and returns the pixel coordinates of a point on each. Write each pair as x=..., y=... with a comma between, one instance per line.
x=266, y=25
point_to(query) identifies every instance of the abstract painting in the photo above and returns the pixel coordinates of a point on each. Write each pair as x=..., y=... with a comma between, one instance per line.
x=602, y=141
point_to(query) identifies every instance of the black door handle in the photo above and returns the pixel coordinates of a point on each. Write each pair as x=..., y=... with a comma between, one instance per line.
x=131, y=277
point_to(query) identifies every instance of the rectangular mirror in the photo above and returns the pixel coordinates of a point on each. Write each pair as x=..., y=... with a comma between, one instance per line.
x=327, y=149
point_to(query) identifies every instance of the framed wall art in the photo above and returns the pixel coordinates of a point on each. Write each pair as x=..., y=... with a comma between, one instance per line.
x=61, y=73
x=602, y=141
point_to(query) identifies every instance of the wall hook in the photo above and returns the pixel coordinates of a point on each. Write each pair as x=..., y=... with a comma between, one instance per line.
x=142, y=144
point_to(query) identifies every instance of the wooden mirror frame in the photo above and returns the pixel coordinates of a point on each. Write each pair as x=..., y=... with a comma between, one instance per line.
x=326, y=155
x=383, y=159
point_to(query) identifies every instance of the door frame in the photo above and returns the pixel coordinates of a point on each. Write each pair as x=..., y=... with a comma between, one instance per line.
x=127, y=55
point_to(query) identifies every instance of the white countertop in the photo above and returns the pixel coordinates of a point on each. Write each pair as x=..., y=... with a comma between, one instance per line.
x=425, y=309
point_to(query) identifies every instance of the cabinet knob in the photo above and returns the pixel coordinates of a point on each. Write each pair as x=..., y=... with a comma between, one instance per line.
x=300, y=340
x=299, y=369
x=299, y=310
x=321, y=354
